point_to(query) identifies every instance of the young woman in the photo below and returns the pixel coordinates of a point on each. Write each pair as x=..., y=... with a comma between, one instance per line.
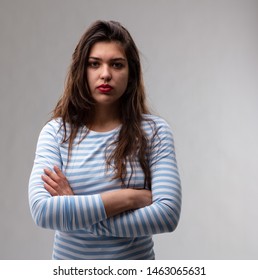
x=105, y=175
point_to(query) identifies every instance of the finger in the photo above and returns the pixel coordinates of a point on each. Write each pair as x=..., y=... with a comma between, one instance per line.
x=50, y=189
x=51, y=175
x=49, y=181
x=59, y=172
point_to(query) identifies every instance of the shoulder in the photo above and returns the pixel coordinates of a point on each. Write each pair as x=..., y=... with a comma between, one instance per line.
x=53, y=125
x=53, y=129
x=160, y=136
x=156, y=124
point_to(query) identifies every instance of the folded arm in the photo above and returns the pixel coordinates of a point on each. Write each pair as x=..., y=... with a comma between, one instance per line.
x=146, y=218
x=164, y=212
x=54, y=206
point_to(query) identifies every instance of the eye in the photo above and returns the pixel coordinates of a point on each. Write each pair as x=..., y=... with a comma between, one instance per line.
x=118, y=65
x=93, y=64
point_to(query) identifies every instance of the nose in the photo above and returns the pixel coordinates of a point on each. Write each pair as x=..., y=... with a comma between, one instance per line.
x=105, y=73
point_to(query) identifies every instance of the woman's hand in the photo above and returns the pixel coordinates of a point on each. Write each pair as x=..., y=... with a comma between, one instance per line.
x=56, y=183
x=115, y=202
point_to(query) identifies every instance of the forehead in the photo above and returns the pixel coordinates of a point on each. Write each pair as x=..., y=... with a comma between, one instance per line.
x=107, y=50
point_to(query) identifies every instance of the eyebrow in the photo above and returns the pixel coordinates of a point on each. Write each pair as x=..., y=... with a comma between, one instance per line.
x=113, y=59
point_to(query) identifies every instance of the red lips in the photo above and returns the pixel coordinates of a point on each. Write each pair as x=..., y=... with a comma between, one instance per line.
x=104, y=88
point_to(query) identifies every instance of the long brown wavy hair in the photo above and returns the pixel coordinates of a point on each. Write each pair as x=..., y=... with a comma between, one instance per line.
x=76, y=105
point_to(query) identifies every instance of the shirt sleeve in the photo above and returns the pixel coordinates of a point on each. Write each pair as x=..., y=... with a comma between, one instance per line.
x=59, y=212
x=163, y=214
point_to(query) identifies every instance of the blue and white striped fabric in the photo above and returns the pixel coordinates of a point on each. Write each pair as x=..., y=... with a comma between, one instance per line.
x=83, y=230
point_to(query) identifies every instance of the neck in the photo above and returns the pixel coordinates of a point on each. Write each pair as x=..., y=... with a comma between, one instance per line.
x=105, y=119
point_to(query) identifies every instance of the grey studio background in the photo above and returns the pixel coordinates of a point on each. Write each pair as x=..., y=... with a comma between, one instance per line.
x=200, y=64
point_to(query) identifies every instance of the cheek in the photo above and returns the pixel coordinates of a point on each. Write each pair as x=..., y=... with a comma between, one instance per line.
x=90, y=79
x=124, y=80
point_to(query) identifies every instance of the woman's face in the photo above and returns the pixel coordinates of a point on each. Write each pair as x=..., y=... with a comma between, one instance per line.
x=107, y=73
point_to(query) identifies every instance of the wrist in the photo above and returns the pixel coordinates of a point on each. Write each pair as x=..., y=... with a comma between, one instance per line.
x=131, y=199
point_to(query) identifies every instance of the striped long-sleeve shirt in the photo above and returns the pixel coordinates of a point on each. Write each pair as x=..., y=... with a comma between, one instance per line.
x=83, y=230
